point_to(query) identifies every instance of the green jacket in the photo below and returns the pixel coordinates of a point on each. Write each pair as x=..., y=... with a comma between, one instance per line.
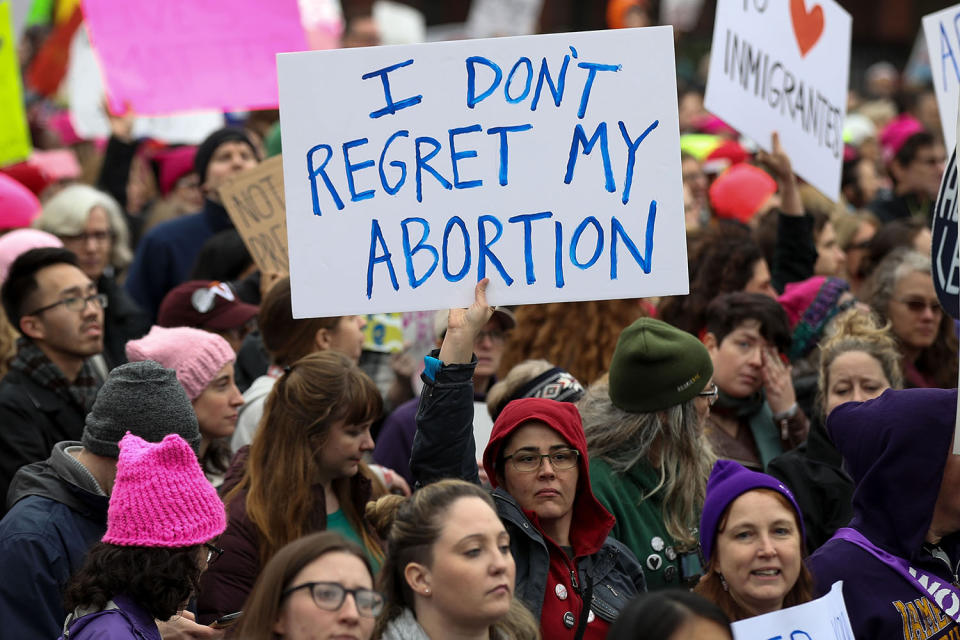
x=639, y=522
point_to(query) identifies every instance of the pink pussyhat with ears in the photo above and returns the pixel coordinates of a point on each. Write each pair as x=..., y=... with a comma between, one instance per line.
x=161, y=497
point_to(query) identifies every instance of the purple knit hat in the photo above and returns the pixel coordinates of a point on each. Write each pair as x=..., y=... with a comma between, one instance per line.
x=728, y=481
x=161, y=497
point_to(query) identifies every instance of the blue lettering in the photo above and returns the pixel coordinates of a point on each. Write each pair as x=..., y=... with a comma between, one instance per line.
x=504, y=151
x=321, y=171
x=592, y=68
x=422, y=164
x=459, y=155
x=351, y=168
x=408, y=253
x=526, y=88
x=616, y=229
x=485, y=252
x=472, y=98
x=799, y=634
x=393, y=163
x=575, y=241
x=527, y=220
x=555, y=89
x=580, y=140
x=945, y=41
x=458, y=276
x=392, y=107
x=558, y=254
x=376, y=238
x=632, y=155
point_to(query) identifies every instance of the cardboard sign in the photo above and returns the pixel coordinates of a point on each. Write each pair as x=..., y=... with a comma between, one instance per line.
x=942, y=33
x=175, y=55
x=821, y=619
x=255, y=202
x=782, y=65
x=549, y=163
x=14, y=135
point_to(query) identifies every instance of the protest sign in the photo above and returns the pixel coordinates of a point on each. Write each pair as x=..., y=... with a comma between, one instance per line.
x=175, y=55
x=942, y=32
x=821, y=619
x=14, y=134
x=779, y=66
x=254, y=200
x=946, y=261
x=550, y=163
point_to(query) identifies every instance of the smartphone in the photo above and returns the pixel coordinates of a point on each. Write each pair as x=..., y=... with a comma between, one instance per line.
x=225, y=621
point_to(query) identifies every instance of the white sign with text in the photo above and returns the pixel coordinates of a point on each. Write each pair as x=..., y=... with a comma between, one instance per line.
x=942, y=33
x=821, y=619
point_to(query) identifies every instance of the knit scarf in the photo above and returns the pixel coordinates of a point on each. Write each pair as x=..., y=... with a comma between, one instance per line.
x=34, y=364
x=755, y=410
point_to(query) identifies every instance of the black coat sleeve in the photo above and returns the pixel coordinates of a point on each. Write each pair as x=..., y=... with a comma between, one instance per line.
x=115, y=171
x=795, y=253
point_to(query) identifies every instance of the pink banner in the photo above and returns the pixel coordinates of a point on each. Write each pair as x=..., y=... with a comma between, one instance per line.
x=176, y=55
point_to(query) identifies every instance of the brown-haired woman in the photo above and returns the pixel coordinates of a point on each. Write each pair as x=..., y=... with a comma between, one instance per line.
x=303, y=591
x=303, y=473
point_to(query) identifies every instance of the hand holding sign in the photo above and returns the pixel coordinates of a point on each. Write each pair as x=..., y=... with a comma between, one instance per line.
x=463, y=325
x=779, y=164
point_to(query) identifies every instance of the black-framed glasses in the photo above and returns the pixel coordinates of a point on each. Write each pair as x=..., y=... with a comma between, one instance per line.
x=711, y=393
x=330, y=596
x=213, y=552
x=75, y=303
x=528, y=461
x=919, y=305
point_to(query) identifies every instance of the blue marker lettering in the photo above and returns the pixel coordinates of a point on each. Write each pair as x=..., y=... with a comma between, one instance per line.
x=948, y=53
x=458, y=276
x=558, y=254
x=527, y=220
x=472, y=98
x=485, y=252
x=799, y=634
x=321, y=171
x=556, y=90
x=392, y=107
x=422, y=164
x=408, y=253
x=632, y=155
x=592, y=68
x=393, y=163
x=580, y=140
x=376, y=238
x=504, y=151
x=616, y=229
x=351, y=168
x=526, y=87
x=459, y=155
x=575, y=242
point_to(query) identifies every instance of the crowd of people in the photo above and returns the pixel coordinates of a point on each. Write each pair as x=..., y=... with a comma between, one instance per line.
x=180, y=457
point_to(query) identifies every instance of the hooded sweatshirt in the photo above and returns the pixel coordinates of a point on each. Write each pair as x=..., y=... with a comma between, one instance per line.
x=895, y=448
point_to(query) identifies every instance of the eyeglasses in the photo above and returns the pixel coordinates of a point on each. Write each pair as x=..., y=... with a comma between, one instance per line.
x=98, y=237
x=527, y=461
x=496, y=336
x=213, y=552
x=75, y=303
x=711, y=393
x=330, y=596
x=919, y=305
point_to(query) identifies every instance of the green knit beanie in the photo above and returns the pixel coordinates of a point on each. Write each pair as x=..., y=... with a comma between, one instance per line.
x=657, y=366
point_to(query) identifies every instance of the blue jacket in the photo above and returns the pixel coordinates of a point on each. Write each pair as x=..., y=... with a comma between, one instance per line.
x=165, y=256
x=122, y=619
x=52, y=522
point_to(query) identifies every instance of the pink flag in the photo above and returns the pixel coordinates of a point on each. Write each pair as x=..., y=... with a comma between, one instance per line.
x=177, y=55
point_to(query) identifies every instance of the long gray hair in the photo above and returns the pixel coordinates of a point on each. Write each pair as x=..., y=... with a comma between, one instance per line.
x=671, y=440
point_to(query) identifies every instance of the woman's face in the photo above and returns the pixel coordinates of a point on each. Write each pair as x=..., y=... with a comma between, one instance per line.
x=471, y=577
x=217, y=407
x=758, y=551
x=347, y=337
x=93, y=244
x=853, y=376
x=300, y=617
x=547, y=491
x=914, y=310
x=343, y=449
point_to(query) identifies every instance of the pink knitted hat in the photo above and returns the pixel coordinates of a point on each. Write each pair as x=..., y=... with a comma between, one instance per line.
x=19, y=241
x=196, y=355
x=161, y=497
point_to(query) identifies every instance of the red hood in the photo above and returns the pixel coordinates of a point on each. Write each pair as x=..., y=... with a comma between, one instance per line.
x=591, y=523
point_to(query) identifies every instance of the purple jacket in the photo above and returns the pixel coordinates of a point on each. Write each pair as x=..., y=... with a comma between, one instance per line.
x=128, y=621
x=395, y=440
x=895, y=449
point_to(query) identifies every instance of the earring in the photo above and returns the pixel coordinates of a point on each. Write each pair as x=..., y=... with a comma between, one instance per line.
x=426, y=591
x=723, y=582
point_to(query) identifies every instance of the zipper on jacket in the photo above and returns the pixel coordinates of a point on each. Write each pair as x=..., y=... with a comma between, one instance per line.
x=573, y=581
x=613, y=591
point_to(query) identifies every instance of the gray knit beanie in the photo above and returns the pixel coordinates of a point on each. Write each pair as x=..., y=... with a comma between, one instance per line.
x=144, y=399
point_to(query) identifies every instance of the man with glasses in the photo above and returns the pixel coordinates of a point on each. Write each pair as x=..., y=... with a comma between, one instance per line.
x=51, y=383
x=916, y=168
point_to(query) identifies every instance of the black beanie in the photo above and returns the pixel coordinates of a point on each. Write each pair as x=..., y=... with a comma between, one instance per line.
x=214, y=140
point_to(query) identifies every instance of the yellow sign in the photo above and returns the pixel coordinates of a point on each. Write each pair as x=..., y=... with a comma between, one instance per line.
x=14, y=134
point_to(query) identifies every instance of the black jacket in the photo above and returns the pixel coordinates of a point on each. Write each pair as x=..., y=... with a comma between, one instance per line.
x=123, y=321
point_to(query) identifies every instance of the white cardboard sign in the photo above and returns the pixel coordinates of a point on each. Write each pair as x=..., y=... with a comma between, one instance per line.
x=549, y=163
x=783, y=65
x=821, y=619
x=942, y=33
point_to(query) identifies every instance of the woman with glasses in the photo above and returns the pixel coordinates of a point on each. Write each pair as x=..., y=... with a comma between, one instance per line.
x=90, y=223
x=316, y=588
x=162, y=519
x=570, y=573
x=649, y=457
x=901, y=291
x=449, y=571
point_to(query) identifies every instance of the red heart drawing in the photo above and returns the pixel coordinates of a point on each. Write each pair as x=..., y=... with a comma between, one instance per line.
x=807, y=25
